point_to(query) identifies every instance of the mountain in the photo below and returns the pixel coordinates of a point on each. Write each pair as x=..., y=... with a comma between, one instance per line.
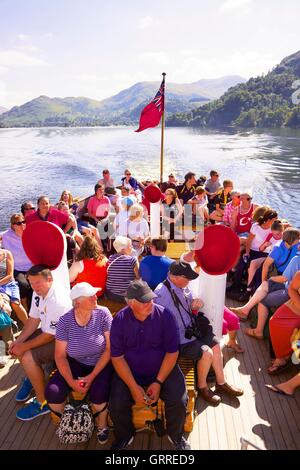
x=123, y=108
x=3, y=110
x=271, y=100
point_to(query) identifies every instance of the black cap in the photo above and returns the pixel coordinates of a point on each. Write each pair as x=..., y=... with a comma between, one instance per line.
x=180, y=268
x=139, y=290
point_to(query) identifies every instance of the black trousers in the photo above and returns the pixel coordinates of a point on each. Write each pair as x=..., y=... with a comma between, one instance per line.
x=173, y=393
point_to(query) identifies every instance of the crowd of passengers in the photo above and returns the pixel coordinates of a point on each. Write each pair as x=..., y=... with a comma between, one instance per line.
x=132, y=358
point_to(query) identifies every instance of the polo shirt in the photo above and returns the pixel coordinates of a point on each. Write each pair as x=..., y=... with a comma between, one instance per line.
x=283, y=255
x=184, y=193
x=185, y=296
x=144, y=344
x=222, y=199
x=98, y=207
x=154, y=269
x=55, y=216
x=49, y=309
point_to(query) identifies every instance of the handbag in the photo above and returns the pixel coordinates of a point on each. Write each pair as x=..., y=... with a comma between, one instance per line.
x=5, y=320
x=76, y=424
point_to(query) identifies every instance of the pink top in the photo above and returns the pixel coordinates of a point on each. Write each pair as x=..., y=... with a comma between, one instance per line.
x=55, y=216
x=98, y=207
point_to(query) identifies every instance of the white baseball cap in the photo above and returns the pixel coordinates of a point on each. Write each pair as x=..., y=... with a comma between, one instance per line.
x=83, y=289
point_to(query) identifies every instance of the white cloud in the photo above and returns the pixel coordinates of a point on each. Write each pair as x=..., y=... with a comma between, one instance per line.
x=28, y=48
x=230, y=5
x=23, y=37
x=11, y=58
x=88, y=78
x=145, y=22
x=159, y=58
x=186, y=52
x=246, y=64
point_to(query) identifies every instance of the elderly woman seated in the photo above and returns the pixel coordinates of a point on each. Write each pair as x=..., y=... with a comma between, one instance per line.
x=123, y=267
x=138, y=229
x=82, y=356
x=12, y=241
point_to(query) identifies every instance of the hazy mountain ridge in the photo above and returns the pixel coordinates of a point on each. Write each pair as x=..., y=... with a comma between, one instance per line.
x=122, y=108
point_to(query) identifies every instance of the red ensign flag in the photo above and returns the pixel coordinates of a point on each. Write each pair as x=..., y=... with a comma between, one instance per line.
x=151, y=114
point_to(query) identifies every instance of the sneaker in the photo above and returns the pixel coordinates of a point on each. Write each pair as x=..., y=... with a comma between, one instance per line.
x=181, y=444
x=32, y=410
x=122, y=444
x=25, y=390
x=102, y=435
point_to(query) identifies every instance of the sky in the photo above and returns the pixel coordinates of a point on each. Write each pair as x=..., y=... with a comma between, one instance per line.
x=96, y=48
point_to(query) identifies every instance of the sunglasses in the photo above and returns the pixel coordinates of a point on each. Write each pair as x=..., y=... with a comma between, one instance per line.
x=21, y=222
x=247, y=198
x=30, y=209
x=128, y=174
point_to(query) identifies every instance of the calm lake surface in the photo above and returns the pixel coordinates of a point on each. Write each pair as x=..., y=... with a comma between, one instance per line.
x=49, y=160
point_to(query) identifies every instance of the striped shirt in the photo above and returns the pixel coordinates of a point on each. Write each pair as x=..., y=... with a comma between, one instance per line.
x=86, y=343
x=120, y=273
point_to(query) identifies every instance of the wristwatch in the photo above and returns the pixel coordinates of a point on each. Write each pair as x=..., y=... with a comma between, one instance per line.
x=158, y=382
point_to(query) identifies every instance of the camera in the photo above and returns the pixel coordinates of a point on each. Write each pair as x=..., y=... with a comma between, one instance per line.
x=189, y=332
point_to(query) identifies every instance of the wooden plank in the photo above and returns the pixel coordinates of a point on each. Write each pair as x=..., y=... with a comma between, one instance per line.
x=200, y=430
x=287, y=419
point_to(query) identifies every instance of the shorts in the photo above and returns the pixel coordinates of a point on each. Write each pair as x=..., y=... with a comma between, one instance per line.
x=195, y=349
x=42, y=354
x=12, y=290
x=275, y=298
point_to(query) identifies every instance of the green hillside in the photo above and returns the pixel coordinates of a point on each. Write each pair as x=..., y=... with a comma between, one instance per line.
x=264, y=101
x=123, y=108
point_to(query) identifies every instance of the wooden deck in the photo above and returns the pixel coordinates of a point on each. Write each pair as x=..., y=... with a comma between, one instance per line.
x=268, y=420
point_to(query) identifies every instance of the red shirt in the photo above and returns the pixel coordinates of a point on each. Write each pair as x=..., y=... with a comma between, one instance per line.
x=55, y=216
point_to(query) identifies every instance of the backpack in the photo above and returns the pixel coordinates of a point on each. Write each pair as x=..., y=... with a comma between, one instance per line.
x=76, y=424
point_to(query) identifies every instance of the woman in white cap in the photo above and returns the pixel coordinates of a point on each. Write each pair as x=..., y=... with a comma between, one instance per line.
x=123, y=267
x=82, y=356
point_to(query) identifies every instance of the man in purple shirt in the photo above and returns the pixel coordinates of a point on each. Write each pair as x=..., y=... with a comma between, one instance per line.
x=144, y=350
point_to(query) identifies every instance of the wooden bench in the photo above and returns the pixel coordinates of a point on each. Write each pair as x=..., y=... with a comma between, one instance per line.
x=176, y=249
x=144, y=415
x=112, y=305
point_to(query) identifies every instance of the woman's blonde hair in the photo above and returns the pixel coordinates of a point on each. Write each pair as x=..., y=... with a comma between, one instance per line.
x=172, y=191
x=136, y=210
x=70, y=197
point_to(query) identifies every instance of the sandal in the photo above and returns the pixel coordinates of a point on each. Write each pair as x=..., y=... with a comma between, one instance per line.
x=274, y=388
x=238, y=312
x=277, y=368
x=252, y=333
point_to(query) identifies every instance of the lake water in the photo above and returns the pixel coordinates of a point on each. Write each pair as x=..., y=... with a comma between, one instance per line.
x=49, y=160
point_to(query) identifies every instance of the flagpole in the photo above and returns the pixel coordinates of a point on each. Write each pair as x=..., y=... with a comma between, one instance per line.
x=162, y=138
